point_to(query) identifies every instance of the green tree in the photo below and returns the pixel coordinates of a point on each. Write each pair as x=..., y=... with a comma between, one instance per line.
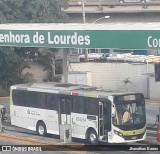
x=14, y=60
x=11, y=67
x=33, y=11
x=46, y=57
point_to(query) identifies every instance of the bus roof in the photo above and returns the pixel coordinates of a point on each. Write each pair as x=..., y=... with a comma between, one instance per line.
x=67, y=89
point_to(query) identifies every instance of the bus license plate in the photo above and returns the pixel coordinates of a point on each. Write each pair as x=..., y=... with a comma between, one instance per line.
x=134, y=137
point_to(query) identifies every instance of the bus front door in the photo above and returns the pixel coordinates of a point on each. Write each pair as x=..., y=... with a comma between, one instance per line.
x=104, y=119
x=65, y=111
x=101, y=119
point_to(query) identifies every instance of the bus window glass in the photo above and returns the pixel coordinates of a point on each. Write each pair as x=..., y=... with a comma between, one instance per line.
x=129, y=113
x=52, y=102
x=17, y=97
x=68, y=105
x=62, y=106
x=107, y=115
x=65, y=105
x=40, y=101
x=91, y=106
x=29, y=98
x=78, y=104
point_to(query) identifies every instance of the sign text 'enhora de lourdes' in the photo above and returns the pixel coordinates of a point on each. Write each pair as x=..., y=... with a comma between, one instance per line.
x=44, y=38
x=122, y=39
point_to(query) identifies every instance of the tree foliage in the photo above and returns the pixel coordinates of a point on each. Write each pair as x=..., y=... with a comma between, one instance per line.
x=46, y=57
x=33, y=11
x=14, y=60
x=11, y=67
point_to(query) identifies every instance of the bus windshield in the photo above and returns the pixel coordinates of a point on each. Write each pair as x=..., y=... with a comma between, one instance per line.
x=129, y=113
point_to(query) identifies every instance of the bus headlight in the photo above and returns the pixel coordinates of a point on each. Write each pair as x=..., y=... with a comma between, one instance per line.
x=118, y=133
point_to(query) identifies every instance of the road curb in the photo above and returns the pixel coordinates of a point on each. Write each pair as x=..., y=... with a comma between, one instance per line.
x=27, y=139
x=150, y=142
x=152, y=127
x=52, y=145
x=152, y=101
x=6, y=97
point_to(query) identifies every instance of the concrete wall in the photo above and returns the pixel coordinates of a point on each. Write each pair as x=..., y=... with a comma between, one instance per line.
x=110, y=76
x=154, y=87
x=37, y=71
x=80, y=78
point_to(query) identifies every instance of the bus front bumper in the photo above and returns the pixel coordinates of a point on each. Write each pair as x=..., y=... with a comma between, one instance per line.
x=127, y=139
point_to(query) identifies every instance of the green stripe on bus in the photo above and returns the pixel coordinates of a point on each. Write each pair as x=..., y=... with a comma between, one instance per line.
x=133, y=132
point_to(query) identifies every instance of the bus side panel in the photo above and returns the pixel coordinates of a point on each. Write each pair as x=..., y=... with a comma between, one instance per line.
x=19, y=117
x=52, y=122
x=12, y=114
x=26, y=117
x=80, y=124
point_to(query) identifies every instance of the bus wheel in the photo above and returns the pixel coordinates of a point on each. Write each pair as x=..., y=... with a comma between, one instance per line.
x=92, y=137
x=41, y=129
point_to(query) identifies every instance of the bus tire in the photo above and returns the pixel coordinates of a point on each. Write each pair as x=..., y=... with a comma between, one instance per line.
x=92, y=137
x=41, y=128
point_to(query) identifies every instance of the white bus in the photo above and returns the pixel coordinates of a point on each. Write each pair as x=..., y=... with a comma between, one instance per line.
x=93, y=114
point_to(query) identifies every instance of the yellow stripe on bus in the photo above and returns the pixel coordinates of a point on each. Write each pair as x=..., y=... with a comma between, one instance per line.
x=133, y=132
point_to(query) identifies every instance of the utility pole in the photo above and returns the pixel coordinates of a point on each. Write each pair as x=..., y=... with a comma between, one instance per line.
x=83, y=12
x=64, y=53
x=84, y=21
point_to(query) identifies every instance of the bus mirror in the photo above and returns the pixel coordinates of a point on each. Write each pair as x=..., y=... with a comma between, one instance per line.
x=100, y=103
x=113, y=111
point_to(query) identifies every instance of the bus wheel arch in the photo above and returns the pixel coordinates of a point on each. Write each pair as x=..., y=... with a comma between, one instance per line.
x=91, y=136
x=41, y=128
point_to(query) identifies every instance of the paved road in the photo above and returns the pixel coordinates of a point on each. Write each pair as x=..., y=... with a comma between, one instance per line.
x=152, y=110
x=45, y=152
x=10, y=145
x=5, y=103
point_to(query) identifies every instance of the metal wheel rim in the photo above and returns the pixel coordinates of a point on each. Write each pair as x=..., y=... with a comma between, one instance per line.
x=92, y=137
x=41, y=130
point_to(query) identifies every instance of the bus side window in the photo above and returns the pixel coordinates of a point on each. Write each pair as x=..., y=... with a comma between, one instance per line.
x=91, y=106
x=52, y=102
x=40, y=101
x=68, y=105
x=62, y=106
x=107, y=113
x=29, y=98
x=17, y=96
x=78, y=104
